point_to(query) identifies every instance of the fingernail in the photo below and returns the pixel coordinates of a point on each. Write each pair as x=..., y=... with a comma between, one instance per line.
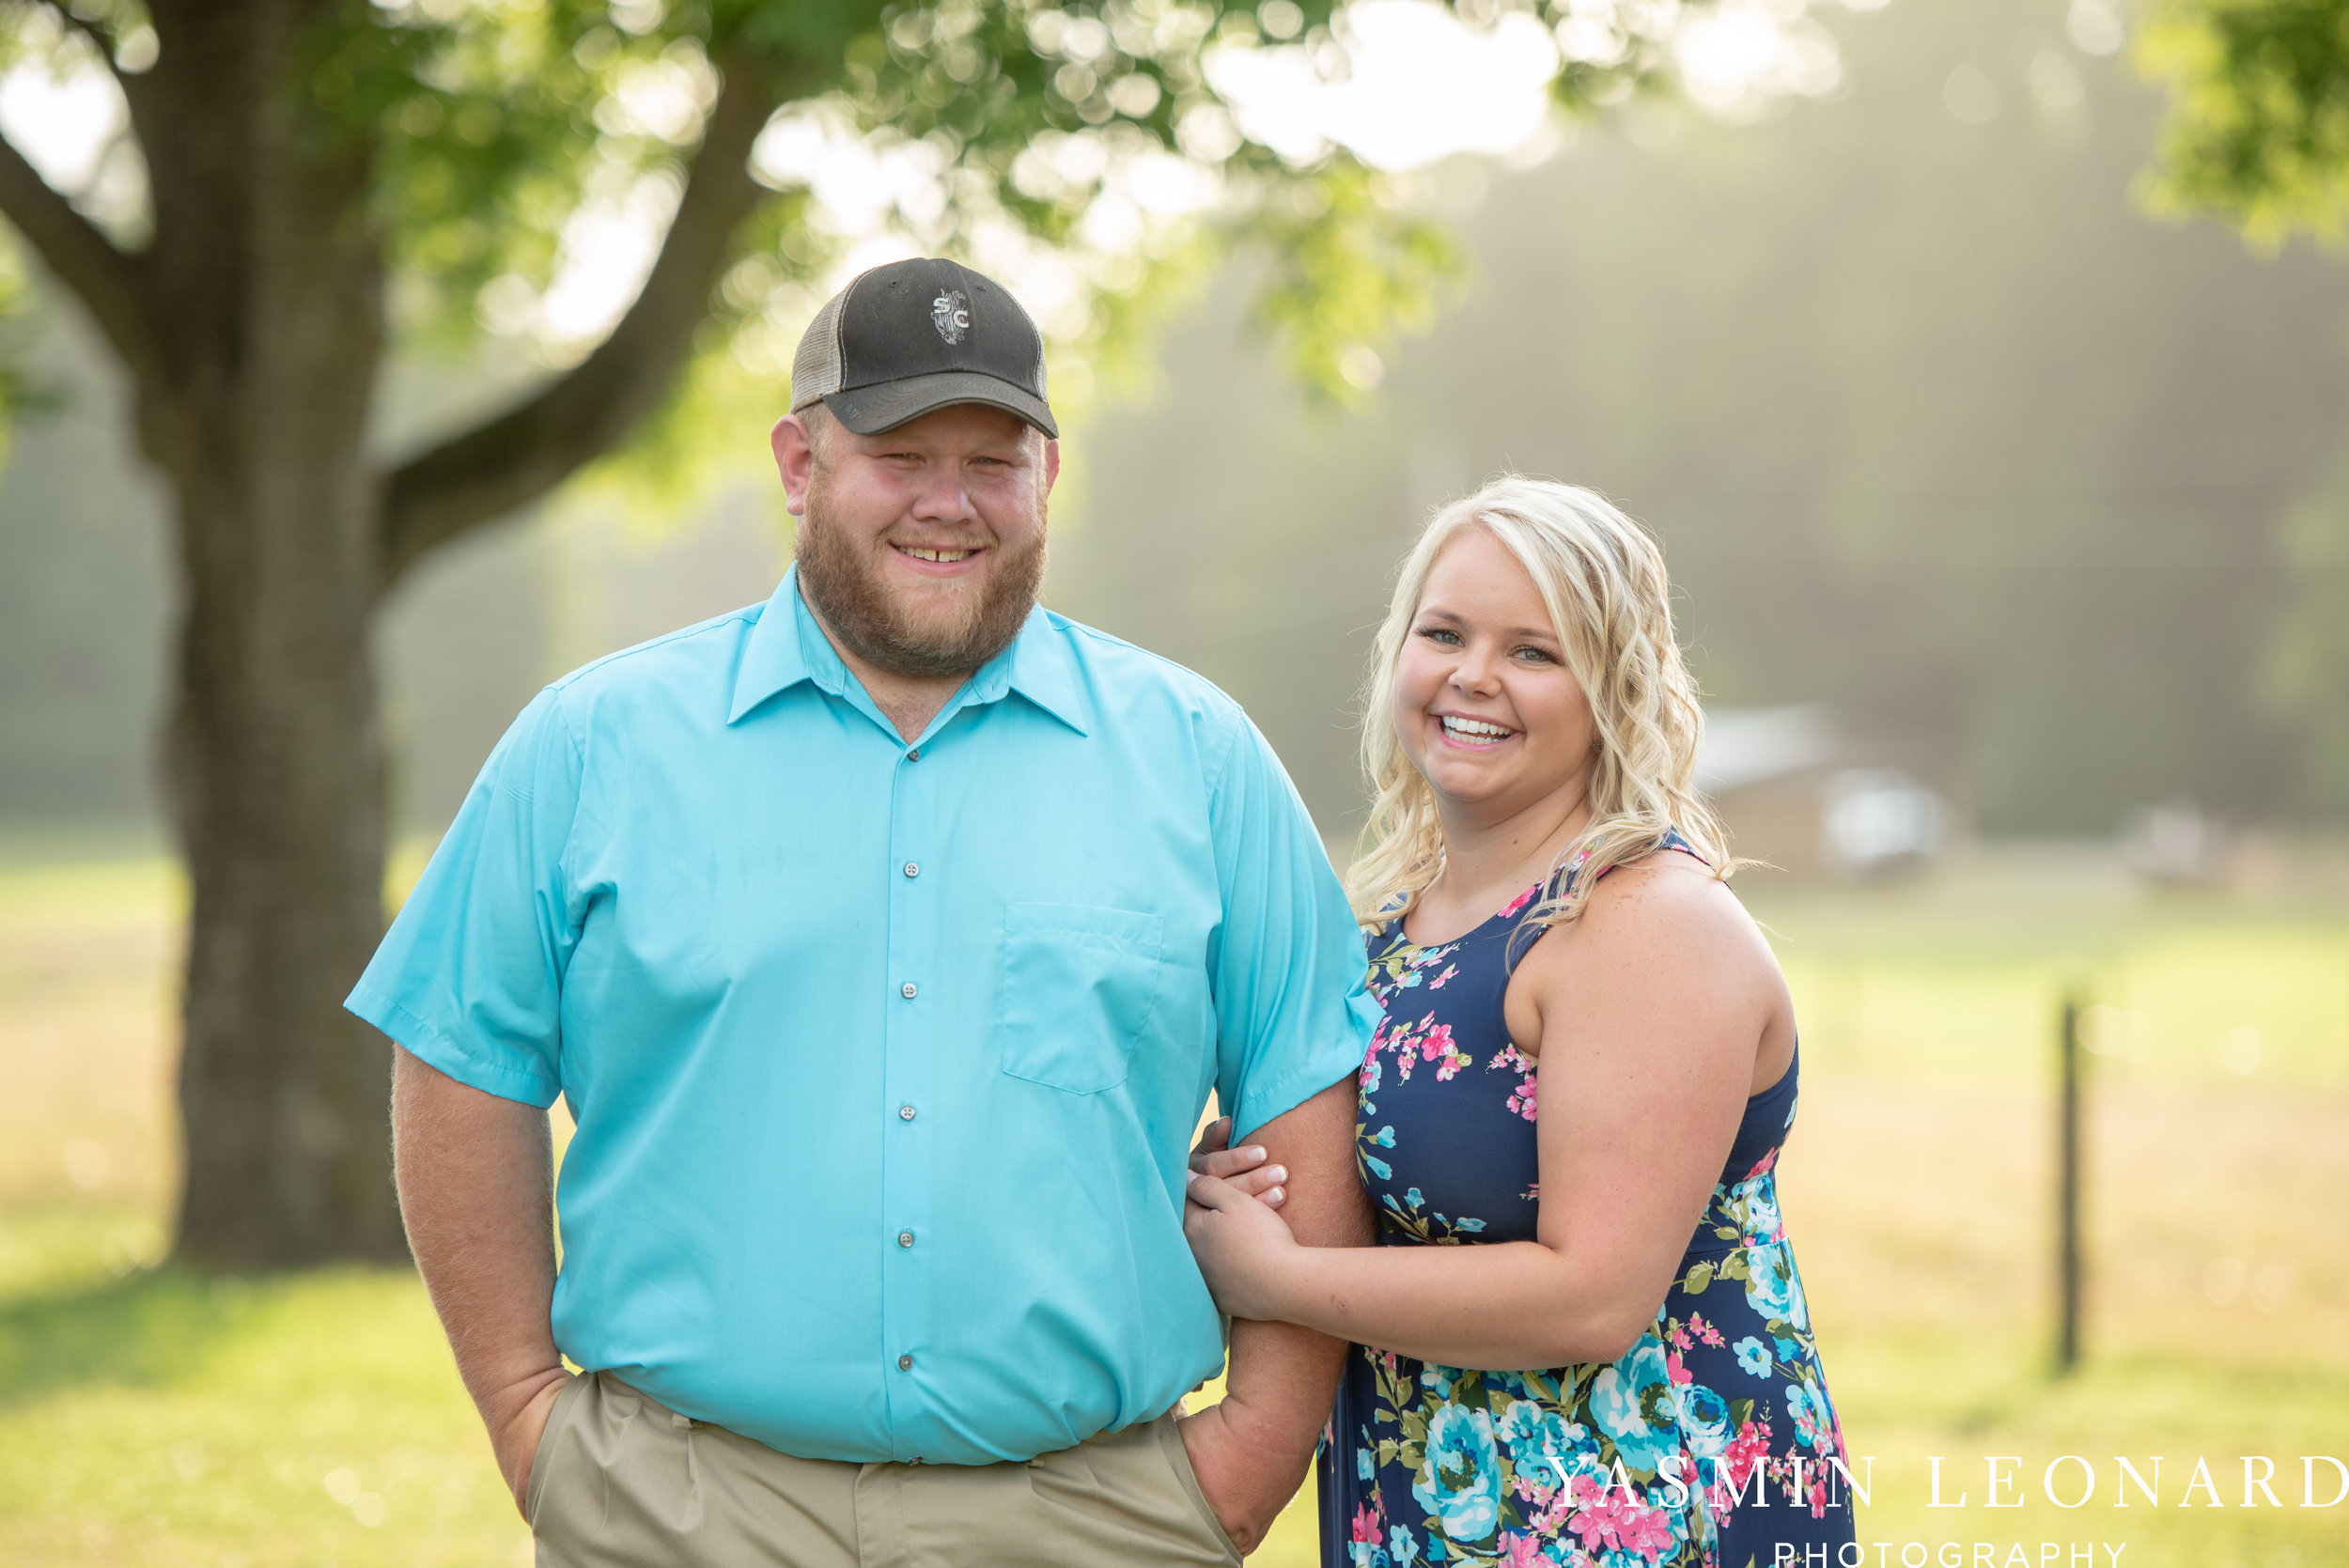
x=1274, y=1196
x=1191, y=1179
x=1255, y=1151
x=1279, y=1173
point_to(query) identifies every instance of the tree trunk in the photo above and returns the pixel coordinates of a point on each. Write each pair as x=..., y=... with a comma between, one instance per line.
x=277, y=770
x=259, y=413
x=252, y=325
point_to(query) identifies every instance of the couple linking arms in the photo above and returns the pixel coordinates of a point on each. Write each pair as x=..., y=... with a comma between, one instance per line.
x=885, y=941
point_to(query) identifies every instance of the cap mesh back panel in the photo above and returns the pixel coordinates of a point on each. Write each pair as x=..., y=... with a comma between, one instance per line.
x=815, y=368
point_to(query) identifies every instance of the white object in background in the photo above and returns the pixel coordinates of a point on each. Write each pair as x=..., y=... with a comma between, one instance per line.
x=1878, y=821
x=2178, y=845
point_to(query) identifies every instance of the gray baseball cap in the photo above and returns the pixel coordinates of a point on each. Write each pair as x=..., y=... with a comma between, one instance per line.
x=915, y=335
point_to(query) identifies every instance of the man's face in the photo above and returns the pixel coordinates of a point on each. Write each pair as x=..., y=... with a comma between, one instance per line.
x=922, y=547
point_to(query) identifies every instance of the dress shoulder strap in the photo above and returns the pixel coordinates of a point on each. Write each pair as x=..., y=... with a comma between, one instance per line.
x=1527, y=932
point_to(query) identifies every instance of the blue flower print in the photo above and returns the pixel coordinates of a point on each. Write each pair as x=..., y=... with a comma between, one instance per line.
x=1704, y=1421
x=1405, y=1548
x=1756, y=1203
x=1380, y=1166
x=1461, y=1483
x=1363, y=1468
x=1636, y=1407
x=1770, y=1285
x=1753, y=1356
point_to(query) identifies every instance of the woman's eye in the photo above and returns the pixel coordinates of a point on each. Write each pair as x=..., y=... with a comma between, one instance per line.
x=1438, y=634
x=1538, y=656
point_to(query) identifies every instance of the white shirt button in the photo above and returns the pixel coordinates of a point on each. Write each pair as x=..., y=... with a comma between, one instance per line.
x=905, y=1238
x=912, y=870
x=909, y=991
x=905, y=1113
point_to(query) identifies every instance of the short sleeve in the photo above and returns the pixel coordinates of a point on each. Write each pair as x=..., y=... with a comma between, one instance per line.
x=1292, y=1013
x=470, y=977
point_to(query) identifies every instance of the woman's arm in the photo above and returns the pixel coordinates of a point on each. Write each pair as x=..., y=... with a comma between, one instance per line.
x=1651, y=1010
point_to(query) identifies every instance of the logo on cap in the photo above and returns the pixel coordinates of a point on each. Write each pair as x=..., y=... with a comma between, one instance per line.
x=950, y=313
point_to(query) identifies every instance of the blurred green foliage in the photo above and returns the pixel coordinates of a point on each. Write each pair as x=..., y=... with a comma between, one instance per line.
x=2258, y=129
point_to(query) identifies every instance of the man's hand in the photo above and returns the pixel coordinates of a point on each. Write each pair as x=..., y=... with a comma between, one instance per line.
x=1248, y=1475
x=517, y=1419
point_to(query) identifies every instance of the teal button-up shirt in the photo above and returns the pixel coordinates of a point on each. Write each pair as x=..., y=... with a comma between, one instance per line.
x=884, y=1057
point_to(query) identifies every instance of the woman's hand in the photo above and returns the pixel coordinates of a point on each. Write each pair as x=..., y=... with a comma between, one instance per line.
x=1243, y=1168
x=1243, y=1248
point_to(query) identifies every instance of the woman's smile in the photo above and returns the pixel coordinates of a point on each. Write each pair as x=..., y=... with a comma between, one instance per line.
x=1473, y=734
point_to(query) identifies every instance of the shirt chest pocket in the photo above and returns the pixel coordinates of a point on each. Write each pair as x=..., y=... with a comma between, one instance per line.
x=1079, y=986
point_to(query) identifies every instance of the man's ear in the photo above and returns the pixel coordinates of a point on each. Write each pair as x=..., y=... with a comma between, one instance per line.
x=795, y=460
x=1051, y=463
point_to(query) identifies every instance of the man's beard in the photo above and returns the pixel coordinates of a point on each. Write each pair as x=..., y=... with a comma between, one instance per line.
x=845, y=587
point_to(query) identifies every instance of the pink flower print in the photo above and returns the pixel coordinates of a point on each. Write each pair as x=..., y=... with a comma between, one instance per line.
x=1673, y=1370
x=1818, y=1499
x=1449, y=970
x=1678, y=1335
x=1521, y=1098
x=1735, y=1469
x=1522, y=1551
x=1549, y=1516
x=1367, y=1523
x=1519, y=902
x=1437, y=1045
x=1762, y=1167
x=1705, y=1330
x=1612, y=1519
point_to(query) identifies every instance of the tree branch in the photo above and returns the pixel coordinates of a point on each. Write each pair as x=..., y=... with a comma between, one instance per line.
x=517, y=457
x=109, y=281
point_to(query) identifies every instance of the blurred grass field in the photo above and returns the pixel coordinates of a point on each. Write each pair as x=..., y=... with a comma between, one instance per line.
x=148, y=1417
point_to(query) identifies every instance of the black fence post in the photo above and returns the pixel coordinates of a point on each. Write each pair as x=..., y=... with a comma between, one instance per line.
x=2068, y=1195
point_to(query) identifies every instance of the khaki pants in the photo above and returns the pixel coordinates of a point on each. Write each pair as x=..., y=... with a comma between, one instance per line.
x=621, y=1482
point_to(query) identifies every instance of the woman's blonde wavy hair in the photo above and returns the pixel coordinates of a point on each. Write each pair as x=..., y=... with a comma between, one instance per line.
x=1603, y=581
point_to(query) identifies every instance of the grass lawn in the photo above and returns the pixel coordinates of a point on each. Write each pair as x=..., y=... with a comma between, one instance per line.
x=150, y=1417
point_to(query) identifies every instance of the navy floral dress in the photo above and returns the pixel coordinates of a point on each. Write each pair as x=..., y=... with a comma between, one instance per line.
x=1711, y=1442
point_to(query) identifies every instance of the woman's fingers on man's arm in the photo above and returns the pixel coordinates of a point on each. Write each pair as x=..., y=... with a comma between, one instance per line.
x=1244, y=1168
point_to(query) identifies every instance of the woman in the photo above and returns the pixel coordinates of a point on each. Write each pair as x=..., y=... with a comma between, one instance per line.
x=1588, y=1055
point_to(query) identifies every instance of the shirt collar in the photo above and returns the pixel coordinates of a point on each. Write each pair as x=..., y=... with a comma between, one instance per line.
x=786, y=646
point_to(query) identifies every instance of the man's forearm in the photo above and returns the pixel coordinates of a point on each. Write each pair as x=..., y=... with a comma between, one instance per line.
x=475, y=1178
x=1281, y=1377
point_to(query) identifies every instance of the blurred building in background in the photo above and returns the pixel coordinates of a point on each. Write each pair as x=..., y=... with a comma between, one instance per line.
x=1808, y=797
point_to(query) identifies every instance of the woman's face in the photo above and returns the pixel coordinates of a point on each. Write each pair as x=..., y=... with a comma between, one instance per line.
x=1485, y=705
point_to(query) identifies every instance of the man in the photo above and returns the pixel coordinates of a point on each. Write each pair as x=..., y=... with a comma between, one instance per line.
x=885, y=940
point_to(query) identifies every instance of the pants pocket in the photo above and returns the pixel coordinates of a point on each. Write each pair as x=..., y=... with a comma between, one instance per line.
x=541, y=1458
x=1178, y=1459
